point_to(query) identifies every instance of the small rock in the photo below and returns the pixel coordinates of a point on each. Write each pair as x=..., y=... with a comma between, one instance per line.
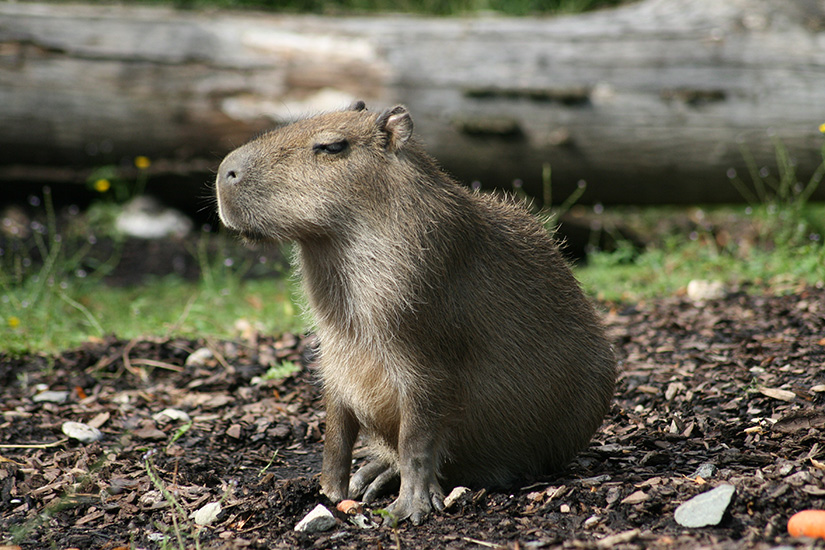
x=319, y=519
x=455, y=495
x=705, y=471
x=207, y=513
x=82, y=432
x=705, y=509
x=51, y=397
x=199, y=357
x=145, y=218
x=700, y=290
x=171, y=414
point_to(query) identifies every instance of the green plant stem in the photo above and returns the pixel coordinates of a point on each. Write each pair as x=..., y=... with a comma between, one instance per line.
x=82, y=309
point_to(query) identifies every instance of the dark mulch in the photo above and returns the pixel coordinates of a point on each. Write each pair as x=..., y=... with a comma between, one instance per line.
x=737, y=384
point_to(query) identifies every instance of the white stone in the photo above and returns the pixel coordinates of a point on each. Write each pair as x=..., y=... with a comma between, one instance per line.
x=700, y=290
x=319, y=519
x=454, y=496
x=145, y=218
x=207, y=513
x=82, y=432
x=172, y=414
x=199, y=357
x=51, y=397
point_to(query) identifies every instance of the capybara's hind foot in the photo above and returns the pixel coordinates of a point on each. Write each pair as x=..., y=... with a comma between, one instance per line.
x=374, y=479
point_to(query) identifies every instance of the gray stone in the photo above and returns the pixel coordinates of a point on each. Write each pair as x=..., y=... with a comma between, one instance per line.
x=705, y=509
x=705, y=471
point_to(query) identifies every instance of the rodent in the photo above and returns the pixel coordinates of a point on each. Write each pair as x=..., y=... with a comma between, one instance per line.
x=452, y=333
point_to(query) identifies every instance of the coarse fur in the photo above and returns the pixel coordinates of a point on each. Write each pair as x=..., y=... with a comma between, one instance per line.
x=452, y=333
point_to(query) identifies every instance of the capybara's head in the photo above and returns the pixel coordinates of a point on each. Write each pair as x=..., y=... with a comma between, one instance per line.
x=305, y=179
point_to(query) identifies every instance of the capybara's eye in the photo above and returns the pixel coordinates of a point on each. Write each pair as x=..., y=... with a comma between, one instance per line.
x=330, y=148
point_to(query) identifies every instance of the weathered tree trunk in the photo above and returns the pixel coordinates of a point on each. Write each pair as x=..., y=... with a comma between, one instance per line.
x=650, y=102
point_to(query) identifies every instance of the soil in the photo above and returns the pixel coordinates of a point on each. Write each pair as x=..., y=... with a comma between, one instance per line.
x=728, y=391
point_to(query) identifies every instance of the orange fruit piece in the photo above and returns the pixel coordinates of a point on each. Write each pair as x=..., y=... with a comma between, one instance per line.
x=807, y=523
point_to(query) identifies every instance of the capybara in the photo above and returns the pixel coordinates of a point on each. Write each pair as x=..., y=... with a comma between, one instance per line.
x=452, y=333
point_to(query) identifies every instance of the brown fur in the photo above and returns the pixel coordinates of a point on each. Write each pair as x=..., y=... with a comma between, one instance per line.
x=453, y=335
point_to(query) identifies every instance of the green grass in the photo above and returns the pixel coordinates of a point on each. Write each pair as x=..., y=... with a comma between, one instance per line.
x=752, y=256
x=66, y=317
x=657, y=272
x=53, y=294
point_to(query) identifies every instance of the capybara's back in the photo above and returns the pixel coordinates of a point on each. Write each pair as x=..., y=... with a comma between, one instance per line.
x=453, y=335
x=534, y=374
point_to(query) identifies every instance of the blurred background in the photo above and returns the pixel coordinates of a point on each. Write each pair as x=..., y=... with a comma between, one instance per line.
x=667, y=140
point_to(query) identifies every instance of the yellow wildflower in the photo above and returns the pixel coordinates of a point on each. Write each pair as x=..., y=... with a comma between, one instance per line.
x=102, y=185
x=822, y=127
x=14, y=322
x=142, y=162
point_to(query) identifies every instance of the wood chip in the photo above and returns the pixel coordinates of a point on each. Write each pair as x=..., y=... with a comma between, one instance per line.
x=776, y=393
x=636, y=497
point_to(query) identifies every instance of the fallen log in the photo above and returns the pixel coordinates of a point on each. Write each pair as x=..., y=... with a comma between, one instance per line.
x=652, y=102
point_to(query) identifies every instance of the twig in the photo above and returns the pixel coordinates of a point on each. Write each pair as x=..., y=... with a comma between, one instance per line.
x=183, y=316
x=127, y=363
x=482, y=543
x=37, y=445
x=219, y=356
x=158, y=364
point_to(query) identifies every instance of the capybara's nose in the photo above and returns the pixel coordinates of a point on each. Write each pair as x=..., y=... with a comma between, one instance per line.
x=231, y=171
x=229, y=175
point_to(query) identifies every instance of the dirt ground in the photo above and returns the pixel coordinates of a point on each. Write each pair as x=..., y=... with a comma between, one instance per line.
x=735, y=386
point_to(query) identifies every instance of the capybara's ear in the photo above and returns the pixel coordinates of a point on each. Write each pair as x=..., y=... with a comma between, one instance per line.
x=397, y=125
x=358, y=106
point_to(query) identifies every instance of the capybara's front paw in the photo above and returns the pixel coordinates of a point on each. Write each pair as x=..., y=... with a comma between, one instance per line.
x=336, y=492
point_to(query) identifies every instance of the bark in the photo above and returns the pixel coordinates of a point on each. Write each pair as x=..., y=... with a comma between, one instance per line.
x=651, y=102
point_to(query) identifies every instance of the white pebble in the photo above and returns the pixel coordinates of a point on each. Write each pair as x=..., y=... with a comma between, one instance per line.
x=51, y=397
x=207, y=513
x=319, y=519
x=700, y=290
x=199, y=357
x=454, y=496
x=82, y=432
x=172, y=414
